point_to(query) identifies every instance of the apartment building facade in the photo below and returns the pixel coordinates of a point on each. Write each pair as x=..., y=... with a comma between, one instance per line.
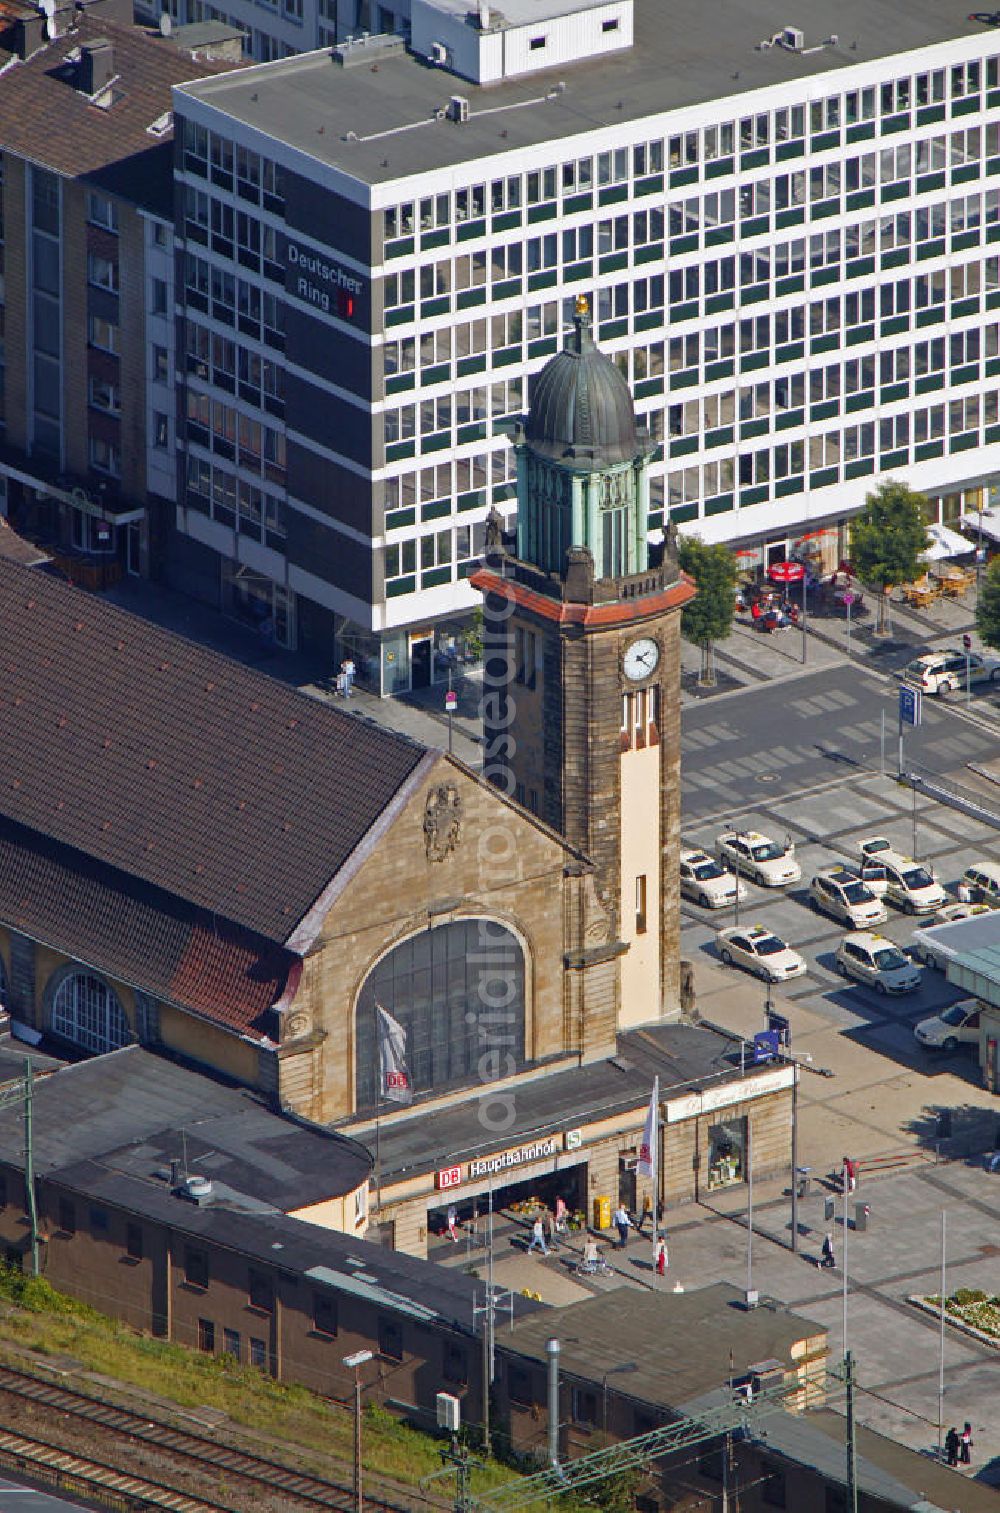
x=87, y=433
x=798, y=277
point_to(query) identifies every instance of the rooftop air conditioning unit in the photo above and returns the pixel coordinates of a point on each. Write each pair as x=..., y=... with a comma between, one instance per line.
x=439, y=54
x=458, y=109
x=793, y=38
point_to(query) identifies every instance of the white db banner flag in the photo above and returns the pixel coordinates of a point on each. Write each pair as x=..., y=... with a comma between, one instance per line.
x=647, y=1150
x=396, y=1086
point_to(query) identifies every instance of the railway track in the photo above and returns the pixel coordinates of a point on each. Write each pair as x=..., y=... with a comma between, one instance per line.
x=182, y=1444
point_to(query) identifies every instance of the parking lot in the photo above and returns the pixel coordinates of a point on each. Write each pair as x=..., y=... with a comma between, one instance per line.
x=827, y=827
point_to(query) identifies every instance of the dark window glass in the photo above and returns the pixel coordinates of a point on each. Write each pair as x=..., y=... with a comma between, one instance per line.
x=133, y=1242
x=519, y=1385
x=206, y=1335
x=258, y=1353
x=456, y=1368
x=99, y=1221
x=390, y=1339
x=427, y=982
x=774, y=1489
x=67, y=1216
x=231, y=1343
x=261, y=1292
x=324, y=1314
x=195, y=1267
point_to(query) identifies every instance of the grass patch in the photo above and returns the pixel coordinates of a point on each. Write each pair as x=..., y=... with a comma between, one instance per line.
x=313, y=1432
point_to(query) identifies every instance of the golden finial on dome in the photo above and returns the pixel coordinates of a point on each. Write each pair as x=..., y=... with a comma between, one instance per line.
x=582, y=305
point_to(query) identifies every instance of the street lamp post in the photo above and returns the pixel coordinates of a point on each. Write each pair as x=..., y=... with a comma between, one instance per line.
x=355, y=1362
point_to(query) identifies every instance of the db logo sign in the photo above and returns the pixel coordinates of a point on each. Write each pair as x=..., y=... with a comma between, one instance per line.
x=451, y=1176
x=396, y=1079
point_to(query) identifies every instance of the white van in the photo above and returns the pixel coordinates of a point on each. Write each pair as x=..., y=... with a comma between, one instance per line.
x=982, y=880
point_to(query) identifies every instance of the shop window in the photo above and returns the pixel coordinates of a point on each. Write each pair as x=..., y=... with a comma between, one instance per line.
x=133, y=1242
x=584, y=1407
x=727, y=1152
x=260, y=1292
x=195, y=1267
x=324, y=1315
x=231, y=1343
x=67, y=1216
x=206, y=1336
x=455, y=1368
x=258, y=1353
x=390, y=1340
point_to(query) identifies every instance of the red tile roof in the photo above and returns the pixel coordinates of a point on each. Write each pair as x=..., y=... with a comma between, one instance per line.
x=138, y=935
x=177, y=766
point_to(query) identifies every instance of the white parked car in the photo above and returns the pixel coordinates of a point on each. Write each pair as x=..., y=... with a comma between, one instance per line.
x=770, y=863
x=761, y=952
x=942, y=672
x=944, y=1031
x=839, y=893
x=926, y=952
x=910, y=885
x=981, y=883
x=877, y=962
x=869, y=872
x=707, y=882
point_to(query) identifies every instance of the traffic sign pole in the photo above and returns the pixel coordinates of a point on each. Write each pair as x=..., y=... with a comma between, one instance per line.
x=967, y=643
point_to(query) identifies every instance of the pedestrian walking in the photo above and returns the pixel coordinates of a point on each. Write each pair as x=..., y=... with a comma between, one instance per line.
x=547, y=1230
x=951, y=1446
x=561, y=1212
x=453, y=1223
x=538, y=1237
x=647, y=1213
x=828, y=1257
x=967, y=1444
x=623, y=1224
x=850, y=1174
x=348, y=670
x=661, y=1257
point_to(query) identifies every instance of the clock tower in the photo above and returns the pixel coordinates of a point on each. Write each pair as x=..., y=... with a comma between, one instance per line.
x=582, y=662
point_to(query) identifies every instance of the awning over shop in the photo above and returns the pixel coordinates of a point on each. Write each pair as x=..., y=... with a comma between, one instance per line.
x=946, y=543
x=988, y=523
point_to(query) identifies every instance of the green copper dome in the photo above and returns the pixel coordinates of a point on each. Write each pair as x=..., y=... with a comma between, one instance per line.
x=581, y=409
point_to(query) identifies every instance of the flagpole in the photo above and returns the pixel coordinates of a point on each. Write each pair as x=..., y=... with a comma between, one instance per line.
x=378, y=1110
x=655, y=1163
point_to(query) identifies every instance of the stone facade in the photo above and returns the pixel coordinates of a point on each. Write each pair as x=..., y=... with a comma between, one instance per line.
x=555, y=731
x=506, y=867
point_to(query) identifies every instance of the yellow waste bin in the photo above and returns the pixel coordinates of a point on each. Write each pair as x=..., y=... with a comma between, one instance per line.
x=602, y=1213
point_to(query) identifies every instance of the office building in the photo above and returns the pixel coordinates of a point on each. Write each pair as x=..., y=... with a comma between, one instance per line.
x=788, y=235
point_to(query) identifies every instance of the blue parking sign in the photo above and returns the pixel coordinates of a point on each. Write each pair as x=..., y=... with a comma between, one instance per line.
x=765, y=1046
x=909, y=705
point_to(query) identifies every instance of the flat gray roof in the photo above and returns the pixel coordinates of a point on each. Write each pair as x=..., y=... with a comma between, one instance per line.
x=684, y=55
x=698, y=1338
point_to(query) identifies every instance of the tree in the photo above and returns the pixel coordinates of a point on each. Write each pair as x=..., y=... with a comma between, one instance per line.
x=988, y=605
x=709, y=617
x=887, y=538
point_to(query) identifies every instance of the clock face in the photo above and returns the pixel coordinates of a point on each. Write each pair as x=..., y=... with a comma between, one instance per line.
x=641, y=659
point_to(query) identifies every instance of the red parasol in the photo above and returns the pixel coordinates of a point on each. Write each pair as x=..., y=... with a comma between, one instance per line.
x=786, y=572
